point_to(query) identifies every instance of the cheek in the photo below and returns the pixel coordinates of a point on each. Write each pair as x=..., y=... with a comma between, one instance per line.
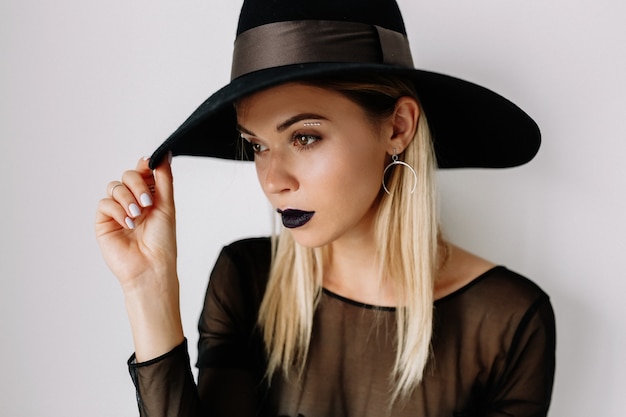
x=260, y=175
x=353, y=173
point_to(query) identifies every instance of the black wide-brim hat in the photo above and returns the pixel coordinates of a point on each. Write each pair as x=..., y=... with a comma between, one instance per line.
x=279, y=41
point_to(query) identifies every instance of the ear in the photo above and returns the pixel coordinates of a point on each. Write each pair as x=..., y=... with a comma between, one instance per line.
x=404, y=124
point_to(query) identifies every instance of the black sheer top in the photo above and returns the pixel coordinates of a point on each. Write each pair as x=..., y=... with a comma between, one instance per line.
x=492, y=353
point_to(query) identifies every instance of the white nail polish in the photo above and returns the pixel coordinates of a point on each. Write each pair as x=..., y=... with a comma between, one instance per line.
x=145, y=200
x=145, y=158
x=134, y=210
x=129, y=222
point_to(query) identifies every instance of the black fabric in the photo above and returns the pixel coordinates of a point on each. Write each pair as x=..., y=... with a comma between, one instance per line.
x=383, y=13
x=165, y=385
x=493, y=353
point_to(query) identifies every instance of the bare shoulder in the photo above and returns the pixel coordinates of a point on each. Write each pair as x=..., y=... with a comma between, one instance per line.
x=461, y=268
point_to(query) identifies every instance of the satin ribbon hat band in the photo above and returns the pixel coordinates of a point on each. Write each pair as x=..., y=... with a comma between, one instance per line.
x=292, y=43
x=286, y=40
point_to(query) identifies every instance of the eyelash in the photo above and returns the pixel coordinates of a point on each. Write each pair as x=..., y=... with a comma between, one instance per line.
x=253, y=145
x=303, y=147
x=312, y=140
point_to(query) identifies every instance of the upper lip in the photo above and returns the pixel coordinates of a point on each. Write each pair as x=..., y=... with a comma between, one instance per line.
x=293, y=218
x=291, y=211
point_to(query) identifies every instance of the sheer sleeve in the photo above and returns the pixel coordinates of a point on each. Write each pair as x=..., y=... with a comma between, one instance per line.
x=230, y=356
x=165, y=385
x=524, y=386
x=230, y=351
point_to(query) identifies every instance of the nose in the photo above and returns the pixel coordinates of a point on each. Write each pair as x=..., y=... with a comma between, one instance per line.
x=277, y=174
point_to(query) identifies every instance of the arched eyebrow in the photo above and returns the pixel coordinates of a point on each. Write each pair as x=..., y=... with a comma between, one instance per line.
x=287, y=123
x=298, y=118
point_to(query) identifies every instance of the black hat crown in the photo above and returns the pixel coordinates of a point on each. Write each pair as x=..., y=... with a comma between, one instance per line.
x=384, y=13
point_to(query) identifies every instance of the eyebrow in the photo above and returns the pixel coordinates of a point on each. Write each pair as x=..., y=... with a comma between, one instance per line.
x=298, y=118
x=287, y=123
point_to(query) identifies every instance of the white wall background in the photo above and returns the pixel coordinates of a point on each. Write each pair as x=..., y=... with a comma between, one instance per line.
x=87, y=87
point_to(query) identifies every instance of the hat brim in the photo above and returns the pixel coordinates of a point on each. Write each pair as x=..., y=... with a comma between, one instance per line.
x=471, y=126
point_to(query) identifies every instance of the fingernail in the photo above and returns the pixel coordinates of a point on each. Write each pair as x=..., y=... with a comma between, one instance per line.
x=145, y=200
x=145, y=158
x=169, y=157
x=134, y=210
x=129, y=222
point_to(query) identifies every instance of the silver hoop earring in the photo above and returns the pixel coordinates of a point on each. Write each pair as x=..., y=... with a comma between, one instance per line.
x=395, y=161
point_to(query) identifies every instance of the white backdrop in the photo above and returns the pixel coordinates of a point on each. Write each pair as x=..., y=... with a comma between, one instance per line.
x=87, y=88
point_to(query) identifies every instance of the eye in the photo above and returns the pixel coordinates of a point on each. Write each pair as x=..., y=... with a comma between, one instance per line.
x=305, y=141
x=255, y=146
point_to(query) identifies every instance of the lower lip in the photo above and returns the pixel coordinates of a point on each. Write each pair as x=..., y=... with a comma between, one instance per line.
x=295, y=218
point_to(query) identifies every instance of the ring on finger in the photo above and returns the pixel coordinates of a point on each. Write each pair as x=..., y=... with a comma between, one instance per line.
x=113, y=188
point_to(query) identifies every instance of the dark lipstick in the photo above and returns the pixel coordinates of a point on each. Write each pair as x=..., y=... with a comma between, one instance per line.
x=295, y=218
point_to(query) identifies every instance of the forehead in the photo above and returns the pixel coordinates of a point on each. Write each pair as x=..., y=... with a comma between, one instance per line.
x=287, y=89
x=284, y=100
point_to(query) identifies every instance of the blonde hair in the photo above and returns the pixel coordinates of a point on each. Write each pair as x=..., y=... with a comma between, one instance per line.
x=407, y=231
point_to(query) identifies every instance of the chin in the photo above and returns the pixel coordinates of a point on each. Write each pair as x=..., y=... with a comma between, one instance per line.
x=308, y=239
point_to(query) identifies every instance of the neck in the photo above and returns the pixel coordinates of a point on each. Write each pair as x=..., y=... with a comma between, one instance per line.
x=353, y=271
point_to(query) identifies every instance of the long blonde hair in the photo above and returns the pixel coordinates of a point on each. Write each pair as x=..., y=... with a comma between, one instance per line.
x=407, y=231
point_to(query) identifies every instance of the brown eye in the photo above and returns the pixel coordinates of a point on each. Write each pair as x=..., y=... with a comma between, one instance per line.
x=255, y=146
x=305, y=140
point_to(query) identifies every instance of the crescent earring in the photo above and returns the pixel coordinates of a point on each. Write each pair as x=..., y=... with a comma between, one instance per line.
x=396, y=161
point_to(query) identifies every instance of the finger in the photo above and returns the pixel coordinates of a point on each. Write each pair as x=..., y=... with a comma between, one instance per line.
x=111, y=188
x=124, y=197
x=164, y=181
x=139, y=187
x=143, y=167
x=110, y=216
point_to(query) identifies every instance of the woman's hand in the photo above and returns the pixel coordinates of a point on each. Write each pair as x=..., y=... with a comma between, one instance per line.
x=136, y=231
x=135, y=226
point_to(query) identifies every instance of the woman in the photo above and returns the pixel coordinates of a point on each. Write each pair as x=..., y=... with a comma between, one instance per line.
x=359, y=307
